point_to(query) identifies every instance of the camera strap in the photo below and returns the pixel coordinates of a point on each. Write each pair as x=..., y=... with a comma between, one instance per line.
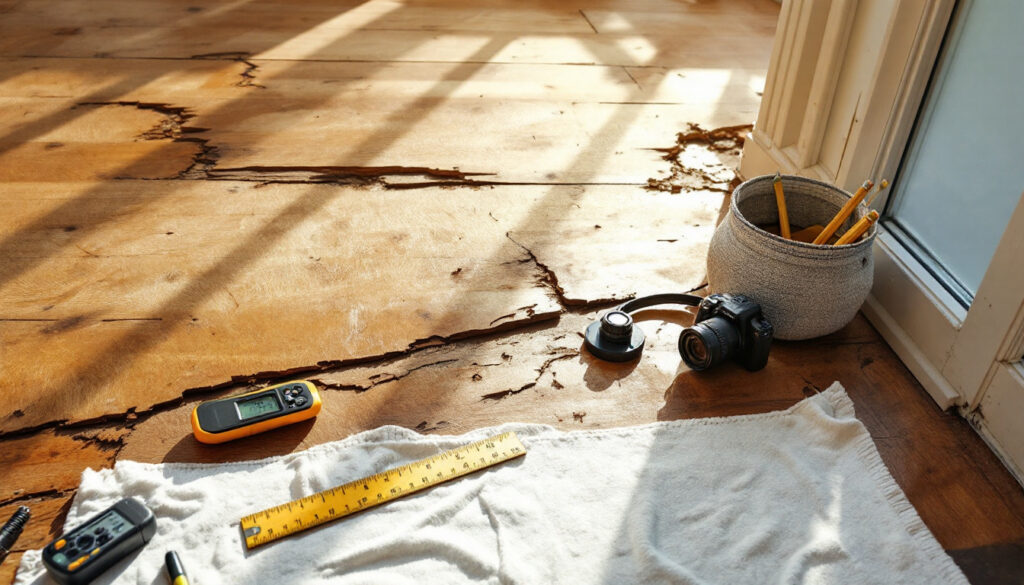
x=613, y=337
x=660, y=299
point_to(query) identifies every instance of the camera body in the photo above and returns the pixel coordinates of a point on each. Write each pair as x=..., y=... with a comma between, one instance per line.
x=727, y=326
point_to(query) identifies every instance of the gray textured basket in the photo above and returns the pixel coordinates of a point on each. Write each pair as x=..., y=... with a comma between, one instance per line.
x=805, y=290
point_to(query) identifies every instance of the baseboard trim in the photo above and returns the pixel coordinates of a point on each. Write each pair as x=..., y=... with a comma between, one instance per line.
x=930, y=378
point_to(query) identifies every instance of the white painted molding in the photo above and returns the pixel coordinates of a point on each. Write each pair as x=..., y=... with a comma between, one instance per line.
x=844, y=85
x=915, y=316
x=826, y=76
x=769, y=100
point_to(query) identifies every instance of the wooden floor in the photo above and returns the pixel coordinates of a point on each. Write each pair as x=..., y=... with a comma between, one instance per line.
x=416, y=204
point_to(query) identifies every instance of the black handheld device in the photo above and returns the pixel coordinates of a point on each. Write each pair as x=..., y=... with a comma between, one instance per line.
x=78, y=557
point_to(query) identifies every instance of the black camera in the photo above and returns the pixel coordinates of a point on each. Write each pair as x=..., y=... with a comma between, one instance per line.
x=727, y=327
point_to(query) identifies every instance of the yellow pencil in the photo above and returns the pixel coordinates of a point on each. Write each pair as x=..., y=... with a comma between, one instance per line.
x=844, y=213
x=780, y=201
x=863, y=224
x=881, y=187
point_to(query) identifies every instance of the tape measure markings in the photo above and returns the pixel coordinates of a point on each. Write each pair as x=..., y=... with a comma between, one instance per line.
x=280, y=521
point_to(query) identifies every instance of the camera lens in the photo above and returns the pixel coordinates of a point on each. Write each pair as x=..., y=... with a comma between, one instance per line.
x=617, y=326
x=708, y=343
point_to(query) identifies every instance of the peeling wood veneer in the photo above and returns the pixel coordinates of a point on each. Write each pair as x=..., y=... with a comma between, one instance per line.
x=703, y=160
x=173, y=128
x=394, y=177
x=548, y=277
x=569, y=354
x=380, y=378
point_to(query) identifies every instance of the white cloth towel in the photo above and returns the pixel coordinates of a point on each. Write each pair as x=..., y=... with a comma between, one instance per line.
x=796, y=496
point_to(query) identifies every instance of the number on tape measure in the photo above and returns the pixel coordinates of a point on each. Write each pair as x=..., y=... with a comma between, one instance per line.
x=322, y=507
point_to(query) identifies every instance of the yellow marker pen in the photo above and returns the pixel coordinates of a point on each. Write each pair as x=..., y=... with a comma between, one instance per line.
x=844, y=213
x=780, y=201
x=175, y=570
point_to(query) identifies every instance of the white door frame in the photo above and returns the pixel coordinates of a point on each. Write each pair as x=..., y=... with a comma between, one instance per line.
x=985, y=363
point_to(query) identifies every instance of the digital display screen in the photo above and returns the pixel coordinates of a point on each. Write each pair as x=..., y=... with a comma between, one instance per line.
x=112, y=523
x=258, y=406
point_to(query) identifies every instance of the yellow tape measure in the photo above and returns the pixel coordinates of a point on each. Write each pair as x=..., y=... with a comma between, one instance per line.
x=280, y=521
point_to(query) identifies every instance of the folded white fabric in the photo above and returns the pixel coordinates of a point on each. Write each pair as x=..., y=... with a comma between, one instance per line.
x=796, y=496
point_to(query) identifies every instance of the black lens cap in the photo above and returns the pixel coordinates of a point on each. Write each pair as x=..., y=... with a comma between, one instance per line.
x=614, y=338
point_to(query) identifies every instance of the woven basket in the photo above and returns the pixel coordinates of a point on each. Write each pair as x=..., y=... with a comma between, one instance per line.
x=805, y=290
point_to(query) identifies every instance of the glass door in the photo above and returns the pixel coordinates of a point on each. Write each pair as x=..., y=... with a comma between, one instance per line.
x=950, y=278
x=964, y=170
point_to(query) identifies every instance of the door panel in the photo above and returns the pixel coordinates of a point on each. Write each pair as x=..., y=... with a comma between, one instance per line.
x=962, y=176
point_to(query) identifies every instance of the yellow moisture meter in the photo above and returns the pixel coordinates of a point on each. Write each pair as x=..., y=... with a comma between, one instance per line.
x=226, y=419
